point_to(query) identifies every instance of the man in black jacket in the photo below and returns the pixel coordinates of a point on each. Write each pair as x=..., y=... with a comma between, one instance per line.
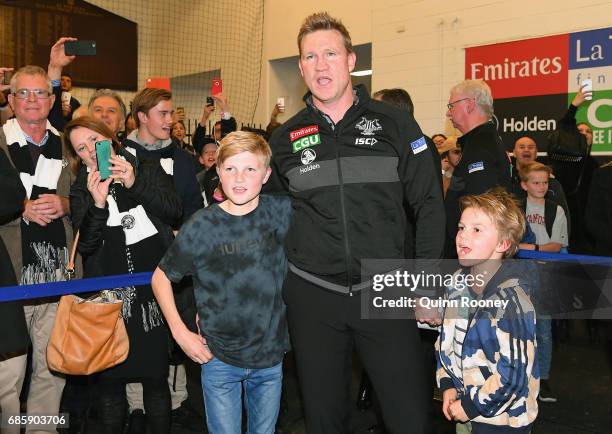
x=484, y=163
x=348, y=163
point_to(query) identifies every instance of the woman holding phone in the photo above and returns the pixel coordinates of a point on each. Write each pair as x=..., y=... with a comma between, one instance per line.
x=125, y=222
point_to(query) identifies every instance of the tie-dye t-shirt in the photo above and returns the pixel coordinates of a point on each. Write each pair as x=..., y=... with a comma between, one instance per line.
x=238, y=266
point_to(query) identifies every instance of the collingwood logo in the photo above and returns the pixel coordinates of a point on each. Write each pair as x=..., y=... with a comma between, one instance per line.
x=308, y=156
x=368, y=127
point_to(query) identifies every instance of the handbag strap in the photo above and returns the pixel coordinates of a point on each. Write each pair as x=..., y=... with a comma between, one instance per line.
x=70, y=267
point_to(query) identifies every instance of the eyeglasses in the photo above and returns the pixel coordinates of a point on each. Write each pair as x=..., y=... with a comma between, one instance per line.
x=37, y=93
x=451, y=104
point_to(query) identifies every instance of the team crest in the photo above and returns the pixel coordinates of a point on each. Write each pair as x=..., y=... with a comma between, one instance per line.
x=368, y=127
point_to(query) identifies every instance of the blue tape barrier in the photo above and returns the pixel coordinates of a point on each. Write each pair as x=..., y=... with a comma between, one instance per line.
x=25, y=292
x=41, y=290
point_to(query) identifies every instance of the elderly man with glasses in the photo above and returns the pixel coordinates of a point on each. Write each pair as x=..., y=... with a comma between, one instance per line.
x=485, y=163
x=38, y=237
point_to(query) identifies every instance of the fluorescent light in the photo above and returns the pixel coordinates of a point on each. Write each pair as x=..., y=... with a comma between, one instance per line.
x=362, y=73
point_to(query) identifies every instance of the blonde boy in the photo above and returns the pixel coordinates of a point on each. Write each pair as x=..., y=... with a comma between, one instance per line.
x=234, y=251
x=534, y=180
x=486, y=355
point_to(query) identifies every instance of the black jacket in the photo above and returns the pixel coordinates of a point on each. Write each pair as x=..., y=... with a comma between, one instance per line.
x=348, y=185
x=184, y=166
x=13, y=330
x=484, y=165
x=152, y=189
x=598, y=212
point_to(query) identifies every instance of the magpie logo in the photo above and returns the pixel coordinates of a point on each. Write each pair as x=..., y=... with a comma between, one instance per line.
x=368, y=127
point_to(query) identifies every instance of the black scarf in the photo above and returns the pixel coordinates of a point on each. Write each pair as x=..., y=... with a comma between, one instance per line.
x=44, y=251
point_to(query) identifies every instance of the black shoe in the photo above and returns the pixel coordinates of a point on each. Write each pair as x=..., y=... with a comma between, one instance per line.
x=186, y=417
x=546, y=394
x=136, y=422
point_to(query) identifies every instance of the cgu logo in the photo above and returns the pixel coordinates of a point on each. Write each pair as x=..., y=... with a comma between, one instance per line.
x=306, y=142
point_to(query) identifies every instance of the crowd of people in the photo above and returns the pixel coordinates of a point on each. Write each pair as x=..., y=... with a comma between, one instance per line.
x=257, y=249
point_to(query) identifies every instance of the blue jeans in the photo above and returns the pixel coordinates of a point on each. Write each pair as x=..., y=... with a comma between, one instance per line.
x=545, y=344
x=222, y=384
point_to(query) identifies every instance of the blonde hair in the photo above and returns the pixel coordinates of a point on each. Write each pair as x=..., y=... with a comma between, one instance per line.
x=504, y=211
x=324, y=21
x=534, y=166
x=243, y=141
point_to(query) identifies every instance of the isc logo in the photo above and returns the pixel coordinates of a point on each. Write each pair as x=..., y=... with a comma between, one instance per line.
x=365, y=141
x=306, y=142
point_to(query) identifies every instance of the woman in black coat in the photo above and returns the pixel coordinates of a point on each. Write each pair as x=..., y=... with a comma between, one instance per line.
x=125, y=227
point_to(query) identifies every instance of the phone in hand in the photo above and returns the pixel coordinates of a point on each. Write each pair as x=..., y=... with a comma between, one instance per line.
x=217, y=86
x=80, y=48
x=103, y=155
x=7, y=77
x=280, y=102
x=587, y=86
x=210, y=102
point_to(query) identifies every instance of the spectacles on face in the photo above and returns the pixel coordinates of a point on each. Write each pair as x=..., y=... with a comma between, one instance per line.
x=450, y=105
x=37, y=93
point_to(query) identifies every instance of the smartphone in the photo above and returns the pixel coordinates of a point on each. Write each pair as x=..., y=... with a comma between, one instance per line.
x=80, y=48
x=588, y=87
x=66, y=98
x=217, y=86
x=210, y=102
x=7, y=77
x=103, y=154
x=280, y=102
x=158, y=83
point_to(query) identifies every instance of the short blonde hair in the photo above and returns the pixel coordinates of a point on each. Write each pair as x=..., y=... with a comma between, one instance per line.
x=504, y=211
x=243, y=141
x=534, y=166
x=324, y=21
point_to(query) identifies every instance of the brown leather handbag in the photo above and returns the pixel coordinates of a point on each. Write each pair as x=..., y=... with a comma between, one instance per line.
x=88, y=335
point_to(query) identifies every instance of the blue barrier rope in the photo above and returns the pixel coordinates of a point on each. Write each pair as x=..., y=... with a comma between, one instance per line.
x=41, y=290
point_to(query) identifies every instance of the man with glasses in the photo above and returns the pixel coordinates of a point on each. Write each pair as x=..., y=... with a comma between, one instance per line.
x=485, y=163
x=38, y=237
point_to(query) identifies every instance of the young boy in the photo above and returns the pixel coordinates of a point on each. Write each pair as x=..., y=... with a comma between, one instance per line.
x=487, y=369
x=548, y=222
x=234, y=251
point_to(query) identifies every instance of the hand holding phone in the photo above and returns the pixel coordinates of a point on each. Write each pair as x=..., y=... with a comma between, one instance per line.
x=210, y=102
x=587, y=89
x=103, y=155
x=6, y=74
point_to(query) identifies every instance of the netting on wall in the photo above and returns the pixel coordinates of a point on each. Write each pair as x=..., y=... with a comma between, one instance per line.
x=191, y=42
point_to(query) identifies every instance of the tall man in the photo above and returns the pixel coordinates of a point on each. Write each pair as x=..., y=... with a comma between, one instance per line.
x=37, y=240
x=484, y=163
x=348, y=163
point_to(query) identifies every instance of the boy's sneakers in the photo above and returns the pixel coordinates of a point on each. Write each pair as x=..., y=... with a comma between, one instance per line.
x=546, y=394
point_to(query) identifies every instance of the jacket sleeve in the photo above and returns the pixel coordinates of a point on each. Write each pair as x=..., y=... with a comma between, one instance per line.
x=56, y=116
x=277, y=183
x=153, y=189
x=198, y=137
x=228, y=125
x=86, y=217
x=569, y=118
x=186, y=184
x=512, y=341
x=422, y=189
x=598, y=212
x=482, y=170
x=13, y=193
x=443, y=380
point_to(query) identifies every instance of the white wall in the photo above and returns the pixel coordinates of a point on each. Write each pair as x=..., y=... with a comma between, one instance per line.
x=427, y=57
